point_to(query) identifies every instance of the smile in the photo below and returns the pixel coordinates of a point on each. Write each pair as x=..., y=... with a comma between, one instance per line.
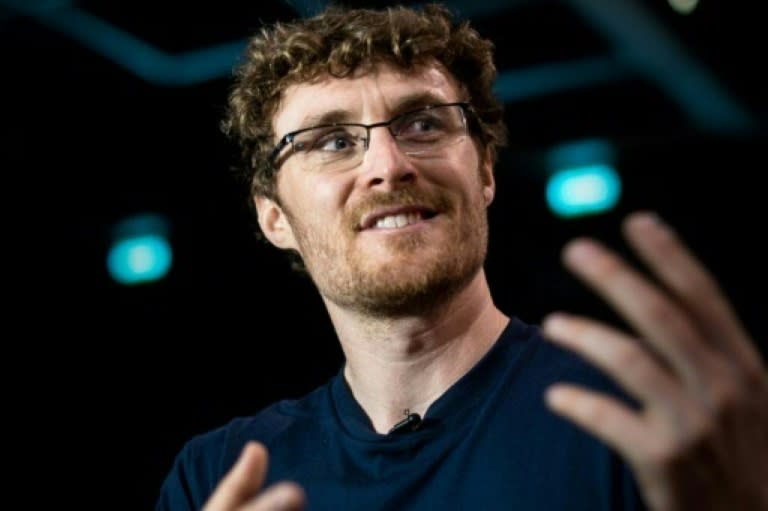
x=396, y=218
x=395, y=221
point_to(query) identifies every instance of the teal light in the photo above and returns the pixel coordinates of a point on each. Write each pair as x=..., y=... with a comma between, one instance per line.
x=141, y=252
x=582, y=178
x=586, y=190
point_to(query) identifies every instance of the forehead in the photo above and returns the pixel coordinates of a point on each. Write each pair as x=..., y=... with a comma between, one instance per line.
x=366, y=96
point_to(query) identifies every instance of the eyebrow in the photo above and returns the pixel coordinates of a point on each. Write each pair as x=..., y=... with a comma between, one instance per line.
x=416, y=100
x=401, y=105
x=330, y=117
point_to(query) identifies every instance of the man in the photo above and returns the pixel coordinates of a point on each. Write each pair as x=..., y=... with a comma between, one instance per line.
x=370, y=139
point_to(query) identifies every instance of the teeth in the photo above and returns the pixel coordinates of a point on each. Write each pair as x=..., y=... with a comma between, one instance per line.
x=395, y=221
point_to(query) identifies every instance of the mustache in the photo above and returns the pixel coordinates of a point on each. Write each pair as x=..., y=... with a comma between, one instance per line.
x=436, y=201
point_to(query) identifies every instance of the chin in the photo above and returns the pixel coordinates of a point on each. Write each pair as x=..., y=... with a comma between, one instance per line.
x=403, y=285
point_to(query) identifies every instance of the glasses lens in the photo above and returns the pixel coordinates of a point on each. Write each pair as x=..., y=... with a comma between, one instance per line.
x=426, y=131
x=331, y=146
x=420, y=133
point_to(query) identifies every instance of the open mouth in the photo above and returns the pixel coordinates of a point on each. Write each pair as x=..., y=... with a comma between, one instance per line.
x=396, y=218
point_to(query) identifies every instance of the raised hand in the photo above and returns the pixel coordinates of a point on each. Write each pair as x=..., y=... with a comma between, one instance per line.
x=238, y=489
x=700, y=437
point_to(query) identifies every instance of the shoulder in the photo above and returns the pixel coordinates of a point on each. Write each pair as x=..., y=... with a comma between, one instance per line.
x=221, y=447
x=204, y=459
x=548, y=363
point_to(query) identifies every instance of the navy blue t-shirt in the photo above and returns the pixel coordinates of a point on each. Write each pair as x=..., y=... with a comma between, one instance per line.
x=488, y=442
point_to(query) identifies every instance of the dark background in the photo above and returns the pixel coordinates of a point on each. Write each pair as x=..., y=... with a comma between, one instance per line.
x=99, y=130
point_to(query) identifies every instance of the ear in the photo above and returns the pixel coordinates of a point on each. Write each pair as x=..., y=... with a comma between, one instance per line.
x=486, y=176
x=274, y=223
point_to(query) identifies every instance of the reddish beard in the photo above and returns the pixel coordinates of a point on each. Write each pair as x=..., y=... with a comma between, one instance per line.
x=344, y=276
x=437, y=202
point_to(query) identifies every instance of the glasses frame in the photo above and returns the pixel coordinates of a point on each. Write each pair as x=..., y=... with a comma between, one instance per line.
x=288, y=138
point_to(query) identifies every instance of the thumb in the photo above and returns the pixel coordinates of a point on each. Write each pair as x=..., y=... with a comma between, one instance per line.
x=242, y=481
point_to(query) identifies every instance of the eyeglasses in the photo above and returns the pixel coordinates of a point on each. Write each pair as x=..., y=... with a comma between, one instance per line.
x=340, y=146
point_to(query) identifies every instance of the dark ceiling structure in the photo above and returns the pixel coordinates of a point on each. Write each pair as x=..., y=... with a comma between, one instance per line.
x=113, y=108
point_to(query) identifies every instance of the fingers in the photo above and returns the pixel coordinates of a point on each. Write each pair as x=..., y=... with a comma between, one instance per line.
x=619, y=356
x=661, y=322
x=280, y=497
x=663, y=252
x=696, y=403
x=603, y=416
x=237, y=489
x=243, y=480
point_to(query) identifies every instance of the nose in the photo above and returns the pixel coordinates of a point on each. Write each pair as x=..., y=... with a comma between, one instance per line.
x=386, y=167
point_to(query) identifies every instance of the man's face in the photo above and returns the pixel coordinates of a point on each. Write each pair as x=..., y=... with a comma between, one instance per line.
x=395, y=233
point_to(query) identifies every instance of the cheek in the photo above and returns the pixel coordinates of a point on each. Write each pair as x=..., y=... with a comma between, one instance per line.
x=318, y=200
x=465, y=176
x=330, y=192
x=325, y=202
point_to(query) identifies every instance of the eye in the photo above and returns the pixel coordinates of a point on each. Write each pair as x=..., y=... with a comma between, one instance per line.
x=332, y=139
x=421, y=125
x=335, y=141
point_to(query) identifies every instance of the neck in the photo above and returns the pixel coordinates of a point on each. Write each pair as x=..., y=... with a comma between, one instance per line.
x=407, y=362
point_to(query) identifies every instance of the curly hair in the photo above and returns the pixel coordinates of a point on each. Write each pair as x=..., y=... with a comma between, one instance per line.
x=338, y=42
